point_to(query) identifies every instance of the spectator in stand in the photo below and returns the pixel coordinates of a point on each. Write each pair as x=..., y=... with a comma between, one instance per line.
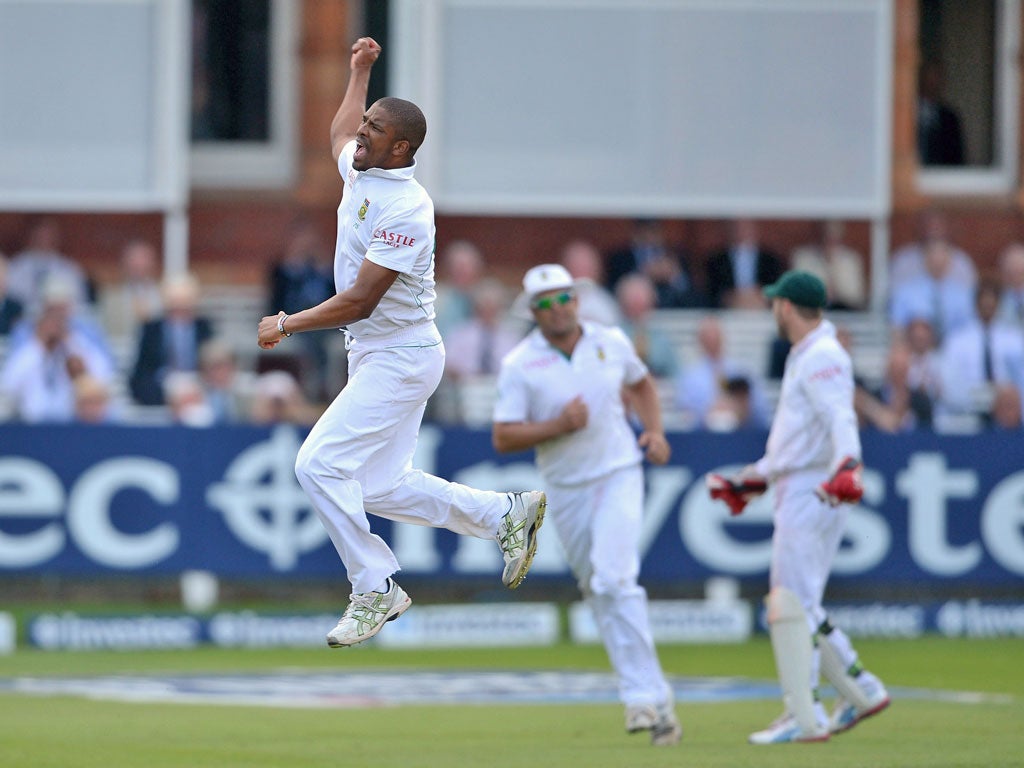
x=889, y=409
x=476, y=346
x=649, y=254
x=1011, y=274
x=186, y=399
x=218, y=371
x=474, y=349
x=981, y=356
x=702, y=381
x=902, y=402
x=40, y=262
x=135, y=299
x=597, y=304
x=171, y=342
x=733, y=409
x=837, y=265
x=277, y=399
x=38, y=376
x=93, y=403
x=57, y=290
x=924, y=374
x=908, y=262
x=939, y=136
x=636, y=296
x=941, y=295
x=1006, y=407
x=737, y=274
x=303, y=273
x=304, y=277
x=10, y=308
x=461, y=267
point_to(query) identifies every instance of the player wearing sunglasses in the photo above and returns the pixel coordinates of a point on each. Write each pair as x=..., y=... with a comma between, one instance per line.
x=560, y=392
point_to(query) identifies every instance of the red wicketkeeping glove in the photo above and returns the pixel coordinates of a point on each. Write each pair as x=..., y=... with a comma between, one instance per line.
x=738, y=492
x=845, y=486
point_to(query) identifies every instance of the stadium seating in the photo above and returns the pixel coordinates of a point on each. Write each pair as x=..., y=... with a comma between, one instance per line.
x=235, y=310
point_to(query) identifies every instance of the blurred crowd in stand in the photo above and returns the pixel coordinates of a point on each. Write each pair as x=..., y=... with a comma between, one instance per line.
x=140, y=349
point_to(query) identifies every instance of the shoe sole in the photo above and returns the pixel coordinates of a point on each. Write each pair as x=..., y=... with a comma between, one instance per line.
x=805, y=740
x=865, y=715
x=531, y=548
x=395, y=612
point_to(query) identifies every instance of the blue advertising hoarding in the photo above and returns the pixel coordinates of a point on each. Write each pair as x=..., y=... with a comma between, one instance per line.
x=155, y=500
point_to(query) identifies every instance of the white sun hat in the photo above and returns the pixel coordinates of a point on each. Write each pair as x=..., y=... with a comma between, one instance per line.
x=540, y=279
x=546, y=277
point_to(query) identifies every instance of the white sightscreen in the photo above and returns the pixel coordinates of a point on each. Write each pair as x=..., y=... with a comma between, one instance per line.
x=685, y=108
x=91, y=107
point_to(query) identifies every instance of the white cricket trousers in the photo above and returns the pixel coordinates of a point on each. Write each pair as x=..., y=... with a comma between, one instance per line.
x=358, y=457
x=806, y=539
x=598, y=524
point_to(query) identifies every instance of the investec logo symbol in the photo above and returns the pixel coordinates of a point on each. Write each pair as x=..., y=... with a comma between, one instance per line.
x=263, y=504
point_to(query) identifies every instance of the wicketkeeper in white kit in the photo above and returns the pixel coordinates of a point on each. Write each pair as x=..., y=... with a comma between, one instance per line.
x=813, y=459
x=560, y=391
x=358, y=457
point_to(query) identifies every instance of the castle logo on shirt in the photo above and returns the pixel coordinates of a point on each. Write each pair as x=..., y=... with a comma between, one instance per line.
x=361, y=213
x=826, y=373
x=394, y=239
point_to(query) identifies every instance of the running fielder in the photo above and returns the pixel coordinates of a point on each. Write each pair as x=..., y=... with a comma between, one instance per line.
x=358, y=457
x=560, y=391
x=813, y=459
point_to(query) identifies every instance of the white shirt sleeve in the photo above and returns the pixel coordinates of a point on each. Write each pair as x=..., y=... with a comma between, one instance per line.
x=513, y=400
x=399, y=233
x=635, y=368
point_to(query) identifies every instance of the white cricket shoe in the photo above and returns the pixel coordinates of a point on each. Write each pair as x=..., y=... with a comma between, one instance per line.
x=517, y=534
x=660, y=720
x=667, y=731
x=786, y=730
x=846, y=714
x=367, y=612
x=641, y=717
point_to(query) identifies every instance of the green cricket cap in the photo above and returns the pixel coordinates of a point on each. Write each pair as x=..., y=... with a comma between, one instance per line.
x=801, y=288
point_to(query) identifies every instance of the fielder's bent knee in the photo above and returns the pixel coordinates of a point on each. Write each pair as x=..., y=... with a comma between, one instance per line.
x=310, y=467
x=303, y=461
x=784, y=605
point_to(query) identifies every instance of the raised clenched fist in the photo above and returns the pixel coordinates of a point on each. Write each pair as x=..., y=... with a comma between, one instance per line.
x=365, y=51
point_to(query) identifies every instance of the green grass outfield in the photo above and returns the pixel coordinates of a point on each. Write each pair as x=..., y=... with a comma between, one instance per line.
x=69, y=732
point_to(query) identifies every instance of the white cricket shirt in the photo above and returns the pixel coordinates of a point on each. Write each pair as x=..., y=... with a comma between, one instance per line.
x=386, y=216
x=537, y=381
x=814, y=425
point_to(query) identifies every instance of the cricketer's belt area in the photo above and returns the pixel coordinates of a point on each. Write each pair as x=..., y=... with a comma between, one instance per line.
x=425, y=330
